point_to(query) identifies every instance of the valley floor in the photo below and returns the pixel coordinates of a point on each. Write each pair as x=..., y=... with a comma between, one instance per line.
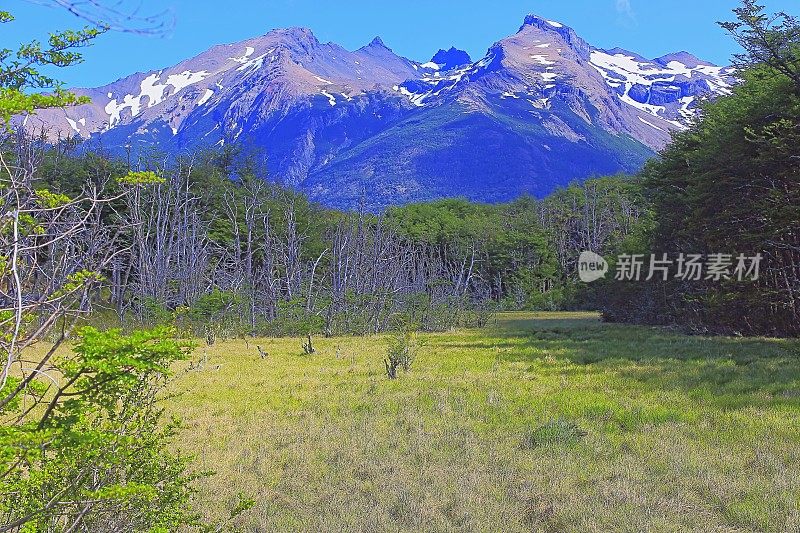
x=540, y=422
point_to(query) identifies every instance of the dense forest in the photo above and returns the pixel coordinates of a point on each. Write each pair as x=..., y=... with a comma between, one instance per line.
x=731, y=185
x=209, y=243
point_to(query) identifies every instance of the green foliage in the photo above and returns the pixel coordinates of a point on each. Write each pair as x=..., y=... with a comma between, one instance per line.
x=51, y=200
x=213, y=306
x=100, y=442
x=141, y=178
x=83, y=444
x=558, y=432
x=512, y=245
x=20, y=71
x=768, y=40
x=454, y=222
x=401, y=352
x=154, y=313
x=14, y=102
x=731, y=184
x=292, y=319
x=76, y=281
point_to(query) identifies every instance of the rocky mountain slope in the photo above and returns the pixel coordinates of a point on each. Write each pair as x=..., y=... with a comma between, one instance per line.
x=541, y=109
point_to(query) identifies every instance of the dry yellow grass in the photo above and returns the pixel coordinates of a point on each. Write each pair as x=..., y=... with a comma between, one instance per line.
x=681, y=433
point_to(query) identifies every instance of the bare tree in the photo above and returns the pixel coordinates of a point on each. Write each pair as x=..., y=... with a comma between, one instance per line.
x=54, y=249
x=170, y=254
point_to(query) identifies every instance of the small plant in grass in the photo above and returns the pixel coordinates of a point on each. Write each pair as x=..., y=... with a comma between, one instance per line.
x=401, y=353
x=308, y=346
x=555, y=433
x=211, y=334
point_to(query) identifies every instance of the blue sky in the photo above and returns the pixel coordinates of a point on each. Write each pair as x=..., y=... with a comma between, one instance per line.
x=413, y=28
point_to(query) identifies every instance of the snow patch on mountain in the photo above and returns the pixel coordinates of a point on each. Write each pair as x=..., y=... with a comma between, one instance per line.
x=329, y=96
x=429, y=88
x=206, y=97
x=416, y=98
x=153, y=90
x=542, y=60
x=651, y=86
x=247, y=53
x=650, y=124
x=254, y=63
x=633, y=71
x=184, y=79
x=73, y=125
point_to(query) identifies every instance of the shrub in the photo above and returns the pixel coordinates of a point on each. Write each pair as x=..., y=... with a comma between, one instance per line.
x=555, y=433
x=401, y=353
x=153, y=313
x=98, y=443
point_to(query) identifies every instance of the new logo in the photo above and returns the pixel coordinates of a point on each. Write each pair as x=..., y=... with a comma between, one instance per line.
x=591, y=267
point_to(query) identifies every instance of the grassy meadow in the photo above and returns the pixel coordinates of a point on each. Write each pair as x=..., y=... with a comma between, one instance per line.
x=540, y=422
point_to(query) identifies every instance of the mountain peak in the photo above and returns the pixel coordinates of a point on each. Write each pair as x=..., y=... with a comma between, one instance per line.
x=627, y=53
x=541, y=23
x=377, y=42
x=449, y=59
x=534, y=24
x=297, y=34
x=296, y=31
x=690, y=60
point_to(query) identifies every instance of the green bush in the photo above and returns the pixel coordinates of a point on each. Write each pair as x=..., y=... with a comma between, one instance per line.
x=99, y=442
x=154, y=314
x=555, y=433
x=401, y=353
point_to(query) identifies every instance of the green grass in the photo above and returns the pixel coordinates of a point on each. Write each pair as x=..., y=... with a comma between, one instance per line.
x=544, y=422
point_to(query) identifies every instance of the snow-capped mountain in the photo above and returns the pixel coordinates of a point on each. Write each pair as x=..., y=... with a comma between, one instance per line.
x=541, y=109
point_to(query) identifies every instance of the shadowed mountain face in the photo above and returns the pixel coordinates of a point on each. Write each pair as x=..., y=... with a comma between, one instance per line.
x=541, y=109
x=450, y=59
